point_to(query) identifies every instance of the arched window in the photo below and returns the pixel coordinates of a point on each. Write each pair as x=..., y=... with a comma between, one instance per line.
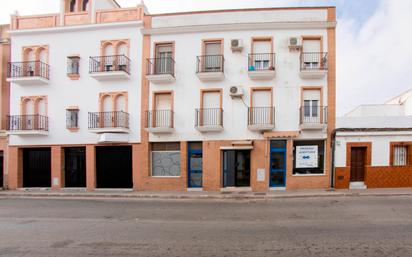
x=84, y=6
x=72, y=5
x=121, y=103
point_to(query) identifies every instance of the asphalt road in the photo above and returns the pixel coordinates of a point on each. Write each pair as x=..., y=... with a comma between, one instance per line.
x=342, y=226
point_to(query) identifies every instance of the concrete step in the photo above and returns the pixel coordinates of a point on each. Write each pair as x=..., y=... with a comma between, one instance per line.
x=357, y=185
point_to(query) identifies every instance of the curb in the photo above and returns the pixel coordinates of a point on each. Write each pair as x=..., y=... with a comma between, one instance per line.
x=193, y=197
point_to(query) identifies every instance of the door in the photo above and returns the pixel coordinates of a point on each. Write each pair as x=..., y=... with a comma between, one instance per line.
x=311, y=106
x=277, y=163
x=261, y=111
x=210, y=114
x=37, y=167
x=195, y=165
x=114, y=167
x=261, y=54
x=357, y=164
x=213, y=59
x=163, y=61
x=311, y=50
x=1, y=169
x=163, y=110
x=75, y=166
x=236, y=168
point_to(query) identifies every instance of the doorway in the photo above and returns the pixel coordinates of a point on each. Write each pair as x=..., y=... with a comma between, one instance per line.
x=37, y=167
x=357, y=164
x=236, y=168
x=75, y=166
x=278, y=163
x=114, y=167
x=195, y=165
x=1, y=169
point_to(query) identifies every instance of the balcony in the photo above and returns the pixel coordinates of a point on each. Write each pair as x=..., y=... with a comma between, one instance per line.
x=261, y=66
x=159, y=121
x=209, y=120
x=313, y=117
x=113, y=67
x=28, y=73
x=30, y=125
x=313, y=65
x=210, y=68
x=261, y=118
x=160, y=70
x=109, y=122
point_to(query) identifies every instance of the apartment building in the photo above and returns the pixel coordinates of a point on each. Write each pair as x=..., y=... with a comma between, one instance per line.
x=4, y=100
x=373, y=145
x=75, y=96
x=110, y=97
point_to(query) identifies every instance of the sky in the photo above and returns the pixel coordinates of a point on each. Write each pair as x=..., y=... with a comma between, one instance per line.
x=374, y=53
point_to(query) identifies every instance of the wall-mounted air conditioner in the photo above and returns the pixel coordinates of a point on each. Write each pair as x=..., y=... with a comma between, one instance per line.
x=236, y=92
x=236, y=45
x=295, y=43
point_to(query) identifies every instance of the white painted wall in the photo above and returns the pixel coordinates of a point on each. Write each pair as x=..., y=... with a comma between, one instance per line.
x=377, y=110
x=380, y=145
x=286, y=85
x=63, y=92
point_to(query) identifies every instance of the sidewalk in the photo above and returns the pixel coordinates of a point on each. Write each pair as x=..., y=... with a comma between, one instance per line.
x=238, y=195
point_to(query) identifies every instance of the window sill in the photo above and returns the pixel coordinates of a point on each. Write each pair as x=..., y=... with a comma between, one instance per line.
x=73, y=129
x=309, y=175
x=73, y=76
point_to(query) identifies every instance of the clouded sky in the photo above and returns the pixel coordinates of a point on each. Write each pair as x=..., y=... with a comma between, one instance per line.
x=374, y=52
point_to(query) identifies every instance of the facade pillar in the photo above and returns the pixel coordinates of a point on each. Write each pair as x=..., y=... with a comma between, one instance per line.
x=90, y=167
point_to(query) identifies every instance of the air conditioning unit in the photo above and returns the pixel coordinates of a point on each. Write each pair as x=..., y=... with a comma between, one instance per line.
x=295, y=43
x=236, y=92
x=236, y=45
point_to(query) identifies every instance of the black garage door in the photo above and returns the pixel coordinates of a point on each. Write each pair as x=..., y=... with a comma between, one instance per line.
x=114, y=167
x=37, y=167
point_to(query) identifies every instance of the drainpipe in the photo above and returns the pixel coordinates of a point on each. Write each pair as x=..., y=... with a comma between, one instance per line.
x=332, y=170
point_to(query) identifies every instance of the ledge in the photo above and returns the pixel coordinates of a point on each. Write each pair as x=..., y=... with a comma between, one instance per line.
x=160, y=130
x=215, y=128
x=262, y=74
x=28, y=133
x=29, y=80
x=161, y=78
x=110, y=75
x=211, y=76
x=313, y=74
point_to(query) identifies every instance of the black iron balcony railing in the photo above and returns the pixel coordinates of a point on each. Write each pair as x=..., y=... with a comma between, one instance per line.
x=27, y=122
x=313, y=61
x=160, y=66
x=159, y=119
x=117, y=119
x=28, y=69
x=313, y=114
x=210, y=63
x=261, y=61
x=209, y=117
x=109, y=63
x=261, y=116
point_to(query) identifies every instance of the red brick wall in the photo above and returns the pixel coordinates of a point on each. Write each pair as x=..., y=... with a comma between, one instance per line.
x=377, y=177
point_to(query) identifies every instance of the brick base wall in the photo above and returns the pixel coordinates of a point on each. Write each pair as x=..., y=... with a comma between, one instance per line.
x=377, y=177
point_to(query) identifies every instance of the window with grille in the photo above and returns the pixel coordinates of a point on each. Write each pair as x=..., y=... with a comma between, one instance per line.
x=72, y=118
x=400, y=155
x=73, y=65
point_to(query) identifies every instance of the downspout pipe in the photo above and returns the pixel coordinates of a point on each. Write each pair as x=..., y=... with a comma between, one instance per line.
x=332, y=170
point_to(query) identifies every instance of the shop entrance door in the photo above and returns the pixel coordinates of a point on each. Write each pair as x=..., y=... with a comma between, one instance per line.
x=236, y=168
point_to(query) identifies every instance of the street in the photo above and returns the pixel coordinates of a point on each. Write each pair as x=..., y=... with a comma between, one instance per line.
x=323, y=226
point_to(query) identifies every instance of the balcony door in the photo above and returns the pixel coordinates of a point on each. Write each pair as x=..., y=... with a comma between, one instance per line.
x=262, y=50
x=29, y=117
x=311, y=106
x=212, y=59
x=163, y=61
x=312, y=53
x=162, y=115
x=210, y=112
x=261, y=107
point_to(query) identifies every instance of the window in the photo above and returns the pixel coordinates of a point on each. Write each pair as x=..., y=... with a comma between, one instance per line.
x=262, y=54
x=312, y=48
x=72, y=5
x=212, y=59
x=84, y=6
x=163, y=60
x=73, y=65
x=311, y=106
x=165, y=159
x=400, y=155
x=308, y=157
x=72, y=118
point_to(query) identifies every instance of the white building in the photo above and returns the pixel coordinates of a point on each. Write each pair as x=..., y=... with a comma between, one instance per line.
x=373, y=145
x=217, y=99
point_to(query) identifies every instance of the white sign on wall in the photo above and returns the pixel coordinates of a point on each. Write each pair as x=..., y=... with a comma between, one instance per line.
x=307, y=156
x=261, y=175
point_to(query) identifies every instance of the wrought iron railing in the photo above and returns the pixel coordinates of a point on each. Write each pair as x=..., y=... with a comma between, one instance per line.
x=27, y=122
x=109, y=63
x=159, y=119
x=261, y=61
x=117, y=119
x=313, y=114
x=261, y=116
x=159, y=66
x=210, y=63
x=313, y=61
x=28, y=69
x=209, y=117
